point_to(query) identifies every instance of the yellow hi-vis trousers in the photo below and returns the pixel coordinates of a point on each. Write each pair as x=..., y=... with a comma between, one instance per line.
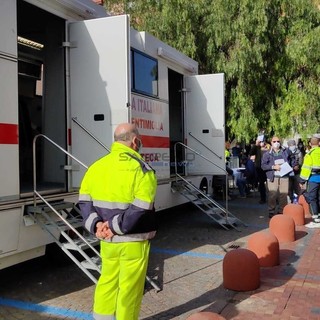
x=119, y=290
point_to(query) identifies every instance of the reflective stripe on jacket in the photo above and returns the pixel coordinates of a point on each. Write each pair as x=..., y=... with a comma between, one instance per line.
x=120, y=188
x=311, y=164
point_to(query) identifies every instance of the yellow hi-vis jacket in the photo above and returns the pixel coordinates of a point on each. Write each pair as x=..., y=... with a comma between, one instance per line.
x=120, y=188
x=310, y=170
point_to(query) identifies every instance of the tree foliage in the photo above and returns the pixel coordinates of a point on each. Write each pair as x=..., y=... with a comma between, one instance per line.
x=267, y=49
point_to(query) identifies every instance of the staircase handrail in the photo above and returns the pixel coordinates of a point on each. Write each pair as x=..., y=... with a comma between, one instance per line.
x=37, y=194
x=205, y=158
x=68, y=223
x=35, y=160
x=75, y=120
x=194, y=151
x=195, y=138
x=225, y=210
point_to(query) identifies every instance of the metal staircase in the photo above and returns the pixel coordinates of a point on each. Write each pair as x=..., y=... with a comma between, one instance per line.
x=207, y=205
x=203, y=201
x=64, y=223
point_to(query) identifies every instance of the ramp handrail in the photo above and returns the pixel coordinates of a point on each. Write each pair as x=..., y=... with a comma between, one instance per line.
x=205, y=158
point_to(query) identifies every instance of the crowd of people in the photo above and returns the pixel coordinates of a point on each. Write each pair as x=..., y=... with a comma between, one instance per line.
x=280, y=172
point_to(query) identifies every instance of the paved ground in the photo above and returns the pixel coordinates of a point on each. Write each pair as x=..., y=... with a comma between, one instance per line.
x=186, y=262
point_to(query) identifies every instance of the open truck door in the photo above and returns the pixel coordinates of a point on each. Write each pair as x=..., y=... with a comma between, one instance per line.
x=99, y=86
x=205, y=123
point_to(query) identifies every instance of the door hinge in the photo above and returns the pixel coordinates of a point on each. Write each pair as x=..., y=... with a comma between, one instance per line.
x=68, y=44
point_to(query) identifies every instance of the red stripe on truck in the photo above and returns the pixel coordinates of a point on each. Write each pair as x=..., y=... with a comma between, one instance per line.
x=155, y=142
x=9, y=133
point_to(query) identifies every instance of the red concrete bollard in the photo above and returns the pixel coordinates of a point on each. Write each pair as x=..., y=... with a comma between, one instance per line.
x=205, y=316
x=266, y=247
x=283, y=227
x=305, y=205
x=241, y=270
x=295, y=211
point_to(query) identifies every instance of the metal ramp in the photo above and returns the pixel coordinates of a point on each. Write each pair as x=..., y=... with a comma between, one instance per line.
x=207, y=205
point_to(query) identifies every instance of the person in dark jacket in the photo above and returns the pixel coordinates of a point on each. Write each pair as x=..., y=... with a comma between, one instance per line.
x=294, y=179
x=276, y=163
x=237, y=151
x=248, y=177
x=256, y=154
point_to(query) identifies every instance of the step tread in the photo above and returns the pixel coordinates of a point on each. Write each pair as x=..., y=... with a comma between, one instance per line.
x=75, y=222
x=96, y=260
x=78, y=243
x=40, y=208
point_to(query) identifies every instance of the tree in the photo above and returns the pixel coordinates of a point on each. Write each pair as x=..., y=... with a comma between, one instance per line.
x=268, y=50
x=299, y=86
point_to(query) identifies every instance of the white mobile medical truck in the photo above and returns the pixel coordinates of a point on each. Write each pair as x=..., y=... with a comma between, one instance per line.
x=69, y=74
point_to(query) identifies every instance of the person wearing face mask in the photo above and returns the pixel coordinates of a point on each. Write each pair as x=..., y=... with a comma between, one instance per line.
x=277, y=182
x=116, y=200
x=294, y=178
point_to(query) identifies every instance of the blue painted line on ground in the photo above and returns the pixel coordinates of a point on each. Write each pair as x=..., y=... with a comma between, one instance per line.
x=198, y=254
x=45, y=309
x=315, y=310
x=188, y=253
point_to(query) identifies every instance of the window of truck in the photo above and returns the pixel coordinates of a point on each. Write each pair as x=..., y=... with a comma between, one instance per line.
x=144, y=76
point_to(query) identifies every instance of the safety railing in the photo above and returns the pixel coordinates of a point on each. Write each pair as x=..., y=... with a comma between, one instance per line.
x=199, y=141
x=89, y=133
x=38, y=195
x=75, y=233
x=203, y=157
x=34, y=152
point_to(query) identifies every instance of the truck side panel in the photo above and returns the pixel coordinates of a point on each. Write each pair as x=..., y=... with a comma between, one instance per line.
x=205, y=118
x=99, y=88
x=9, y=150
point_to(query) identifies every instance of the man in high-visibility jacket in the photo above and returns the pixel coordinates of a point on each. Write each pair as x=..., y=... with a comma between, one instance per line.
x=310, y=173
x=117, y=204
